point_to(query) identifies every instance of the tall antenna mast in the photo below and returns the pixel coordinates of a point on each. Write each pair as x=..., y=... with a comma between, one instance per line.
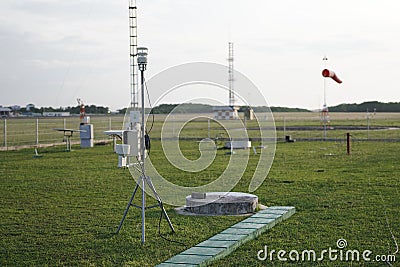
x=231, y=79
x=133, y=53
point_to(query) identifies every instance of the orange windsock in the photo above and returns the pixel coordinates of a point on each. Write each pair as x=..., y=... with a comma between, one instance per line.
x=331, y=74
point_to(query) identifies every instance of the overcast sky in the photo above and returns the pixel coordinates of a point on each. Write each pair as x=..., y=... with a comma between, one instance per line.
x=54, y=51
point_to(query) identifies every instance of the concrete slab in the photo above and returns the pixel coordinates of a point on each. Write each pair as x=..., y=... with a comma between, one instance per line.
x=266, y=215
x=254, y=226
x=259, y=220
x=202, y=251
x=221, y=203
x=237, y=231
x=228, y=237
x=166, y=264
x=216, y=243
x=272, y=211
x=281, y=208
x=188, y=259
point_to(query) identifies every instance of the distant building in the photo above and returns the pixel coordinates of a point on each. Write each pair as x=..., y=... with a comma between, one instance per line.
x=29, y=107
x=31, y=114
x=249, y=113
x=56, y=114
x=226, y=113
x=15, y=108
x=4, y=112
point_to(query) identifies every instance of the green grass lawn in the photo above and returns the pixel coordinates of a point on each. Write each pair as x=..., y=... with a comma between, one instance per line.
x=63, y=208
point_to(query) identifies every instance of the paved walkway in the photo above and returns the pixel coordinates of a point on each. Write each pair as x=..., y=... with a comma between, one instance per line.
x=230, y=239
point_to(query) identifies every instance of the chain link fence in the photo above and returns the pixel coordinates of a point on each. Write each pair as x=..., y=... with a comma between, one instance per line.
x=31, y=132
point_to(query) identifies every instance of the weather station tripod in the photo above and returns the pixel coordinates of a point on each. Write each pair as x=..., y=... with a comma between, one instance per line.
x=144, y=179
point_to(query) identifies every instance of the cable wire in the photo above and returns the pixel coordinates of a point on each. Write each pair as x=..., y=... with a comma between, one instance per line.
x=151, y=107
x=143, y=173
x=159, y=229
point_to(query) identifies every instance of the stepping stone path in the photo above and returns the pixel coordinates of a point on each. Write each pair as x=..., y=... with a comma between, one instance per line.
x=230, y=239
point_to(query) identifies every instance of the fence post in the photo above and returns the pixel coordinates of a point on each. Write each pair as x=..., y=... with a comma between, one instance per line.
x=109, y=123
x=348, y=143
x=284, y=127
x=37, y=131
x=5, y=133
x=367, y=124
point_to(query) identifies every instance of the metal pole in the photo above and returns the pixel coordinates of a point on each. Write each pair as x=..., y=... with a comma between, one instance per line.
x=143, y=209
x=348, y=143
x=367, y=124
x=284, y=127
x=143, y=151
x=325, y=108
x=37, y=131
x=325, y=111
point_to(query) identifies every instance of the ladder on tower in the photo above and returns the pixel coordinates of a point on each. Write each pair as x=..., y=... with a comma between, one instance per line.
x=133, y=54
x=231, y=78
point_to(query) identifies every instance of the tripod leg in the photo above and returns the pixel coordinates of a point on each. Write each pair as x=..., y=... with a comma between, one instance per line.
x=127, y=208
x=166, y=217
x=160, y=203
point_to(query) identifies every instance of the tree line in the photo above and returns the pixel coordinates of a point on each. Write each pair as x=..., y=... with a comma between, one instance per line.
x=372, y=106
x=89, y=109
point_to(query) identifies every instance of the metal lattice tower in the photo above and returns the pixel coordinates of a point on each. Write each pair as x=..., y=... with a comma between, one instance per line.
x=133, y=53
x=231, y=79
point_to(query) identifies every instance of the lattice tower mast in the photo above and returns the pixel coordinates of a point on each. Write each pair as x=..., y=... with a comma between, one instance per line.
x=231, y=78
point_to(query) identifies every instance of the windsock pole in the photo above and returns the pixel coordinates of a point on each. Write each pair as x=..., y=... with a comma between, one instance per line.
x=325, y=115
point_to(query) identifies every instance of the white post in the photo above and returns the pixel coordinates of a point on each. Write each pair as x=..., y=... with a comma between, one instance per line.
x=37, y=131
x=65, y=123
x=367, y=124
x=109, y=123
x=284, y=127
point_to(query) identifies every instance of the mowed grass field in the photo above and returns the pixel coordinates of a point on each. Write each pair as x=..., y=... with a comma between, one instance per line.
x=64, y=208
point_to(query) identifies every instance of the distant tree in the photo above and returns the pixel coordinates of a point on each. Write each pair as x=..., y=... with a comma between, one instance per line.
x=279, y=109
x=122, y=111
x=370, y=106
